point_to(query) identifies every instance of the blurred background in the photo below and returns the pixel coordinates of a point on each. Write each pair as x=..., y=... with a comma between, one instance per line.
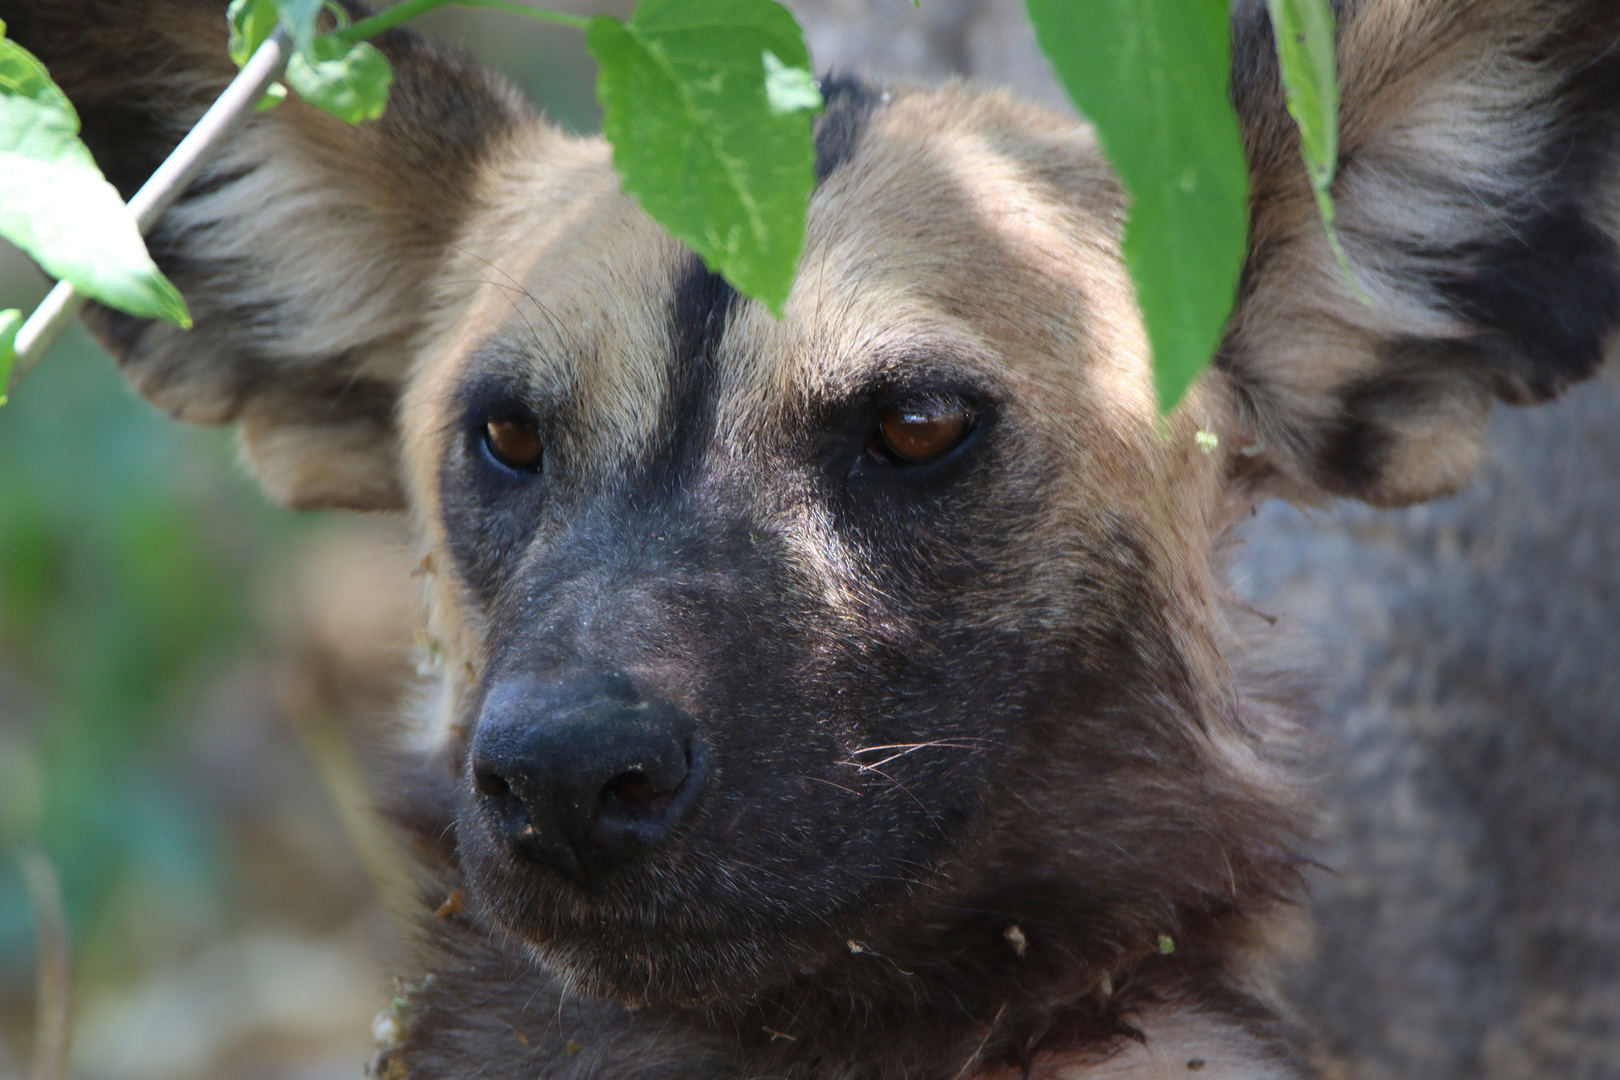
x=189, y=680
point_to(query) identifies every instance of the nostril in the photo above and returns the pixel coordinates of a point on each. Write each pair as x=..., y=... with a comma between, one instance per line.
x=492, y=784
x=505, y=807
x=639, y=796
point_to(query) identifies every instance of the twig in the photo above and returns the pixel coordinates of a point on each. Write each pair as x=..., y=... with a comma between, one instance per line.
x=321, y=736
x=172, y=177
x=53, y=1019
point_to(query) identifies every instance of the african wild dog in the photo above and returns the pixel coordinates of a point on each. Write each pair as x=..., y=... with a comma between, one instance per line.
x=856, y=695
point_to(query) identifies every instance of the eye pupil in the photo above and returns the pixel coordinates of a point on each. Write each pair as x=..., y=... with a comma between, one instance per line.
x=921, y=431
x=514, y=443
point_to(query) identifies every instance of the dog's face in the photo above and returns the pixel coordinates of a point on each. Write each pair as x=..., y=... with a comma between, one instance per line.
x=770, y=617
x=879, y=647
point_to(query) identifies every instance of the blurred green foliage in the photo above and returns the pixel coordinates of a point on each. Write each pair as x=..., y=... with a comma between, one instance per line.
x=125, y=544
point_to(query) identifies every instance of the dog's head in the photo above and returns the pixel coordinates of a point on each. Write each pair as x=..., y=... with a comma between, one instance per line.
x=771, y=620
x=884, y=638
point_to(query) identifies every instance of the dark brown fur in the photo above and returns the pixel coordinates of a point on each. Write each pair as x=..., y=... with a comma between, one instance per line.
x=998, y=789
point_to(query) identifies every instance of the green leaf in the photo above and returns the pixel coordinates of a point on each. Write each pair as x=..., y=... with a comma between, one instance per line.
x=349, y=81
x=251, y=22
x=56, y=205
x=299, y=16
x=711, y=138
x=11, y=321
x=1152, y=76
x=1304, y=32
x=274, y=95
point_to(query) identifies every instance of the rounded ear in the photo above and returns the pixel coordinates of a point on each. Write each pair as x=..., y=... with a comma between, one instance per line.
x=1477, y=199
x=308, y=249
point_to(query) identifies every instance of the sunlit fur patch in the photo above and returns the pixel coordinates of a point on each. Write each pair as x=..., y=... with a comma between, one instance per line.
x=569, y=331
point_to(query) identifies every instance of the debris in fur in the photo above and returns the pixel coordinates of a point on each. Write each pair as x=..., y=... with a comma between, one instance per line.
x=429, y=653
x=1015, y=937
x=386, y=1030
x=1167, y=944
x=452, y=905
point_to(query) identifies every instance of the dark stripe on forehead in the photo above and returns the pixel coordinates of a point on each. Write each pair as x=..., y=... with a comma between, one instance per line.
x=700, y=307
x=850, y=104
x=701, y=304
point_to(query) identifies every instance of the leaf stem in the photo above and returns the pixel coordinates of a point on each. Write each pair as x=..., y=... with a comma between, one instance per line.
x=172, y=177
x=410, y=9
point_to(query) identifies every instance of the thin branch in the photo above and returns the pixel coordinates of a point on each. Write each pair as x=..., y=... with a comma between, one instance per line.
x=178, y=170
x=53, y=1018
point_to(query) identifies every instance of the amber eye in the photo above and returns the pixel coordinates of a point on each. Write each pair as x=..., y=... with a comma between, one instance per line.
x=922, y=430
x=514, y=443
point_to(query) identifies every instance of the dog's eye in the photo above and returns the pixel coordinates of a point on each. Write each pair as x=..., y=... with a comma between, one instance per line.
x=921, y=430
x=513, y=443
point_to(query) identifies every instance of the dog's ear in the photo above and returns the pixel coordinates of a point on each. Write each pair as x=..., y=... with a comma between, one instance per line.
x=306, y=252
x=1478, y=197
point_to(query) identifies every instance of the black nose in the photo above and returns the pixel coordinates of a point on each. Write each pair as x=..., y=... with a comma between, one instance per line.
x=584, y=774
